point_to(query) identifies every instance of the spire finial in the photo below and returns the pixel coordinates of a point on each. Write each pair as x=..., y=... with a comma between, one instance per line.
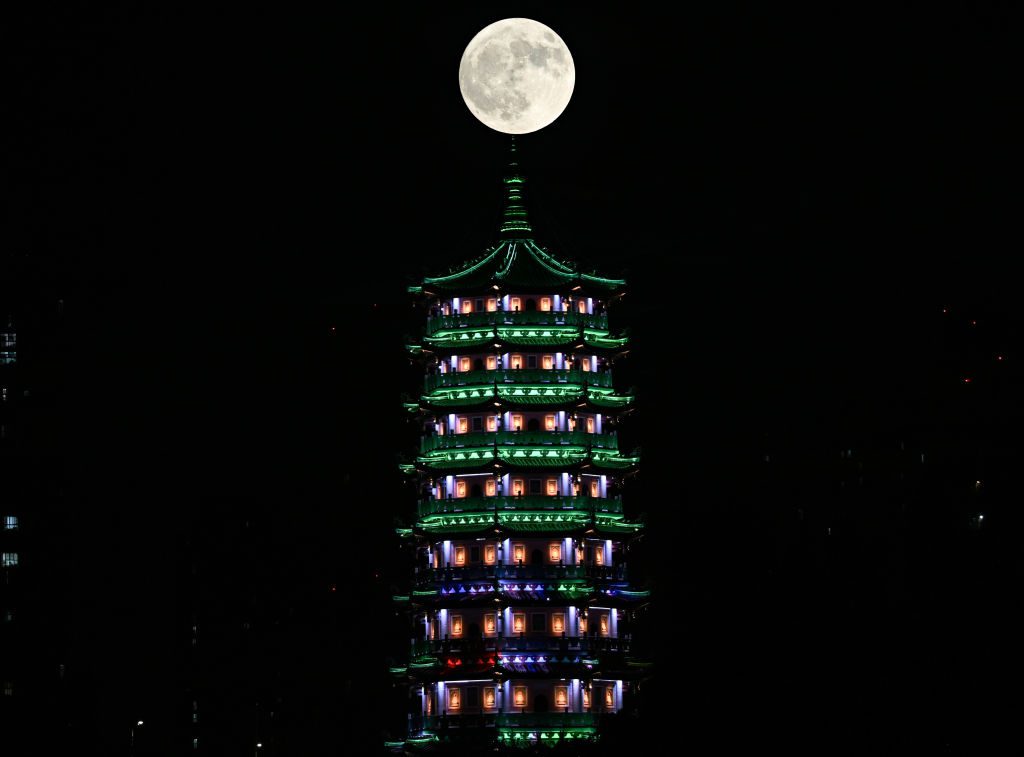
x=514, y=222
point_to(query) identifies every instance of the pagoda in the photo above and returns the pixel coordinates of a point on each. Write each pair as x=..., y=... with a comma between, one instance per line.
x=519, y=604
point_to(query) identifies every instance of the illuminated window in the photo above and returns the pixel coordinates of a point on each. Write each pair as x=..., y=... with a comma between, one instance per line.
x=467, y=306
x=490, y=623
x=519, y=696
x=555, y=552
x=585, y=363
x=590, y=425
x=609, y=696
x=490, y=698
x=603, y=623
x=516, y=361
x=545, y=303
x=456, y=625
x=490, y=554
x=463, y=425
x=460, y=555
x=558, y=622
x=586, y=697
x=516, y=303
x=583, y=623
x=492, y=304
x=561, y=696
x=519, y=622
x=571, y=422
x=549, y=423
x=599, y=556
x=430, y=703
x=454, y=698
x=433, y=628
x=519, y=554
x=10, y=559
x=10, y=522
x=437, y=557
x=582, y=306
x=547, y=362
x=492, y=423
x=518, y=487
x=490, y=487
x=465, y=364
x=460, y=489
x=492, y=362
x=595, y=489
x=552, y=487
x=517, y=422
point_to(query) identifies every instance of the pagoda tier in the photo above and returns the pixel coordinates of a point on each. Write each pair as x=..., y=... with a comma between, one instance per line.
x=520, y=601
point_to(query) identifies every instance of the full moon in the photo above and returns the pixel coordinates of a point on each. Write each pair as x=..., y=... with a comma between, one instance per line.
x=516, y=75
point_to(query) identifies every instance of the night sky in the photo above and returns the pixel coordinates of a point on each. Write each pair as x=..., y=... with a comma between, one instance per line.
x=231, y=202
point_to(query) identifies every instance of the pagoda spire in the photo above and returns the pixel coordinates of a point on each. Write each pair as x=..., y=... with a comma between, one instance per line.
x=514, y=222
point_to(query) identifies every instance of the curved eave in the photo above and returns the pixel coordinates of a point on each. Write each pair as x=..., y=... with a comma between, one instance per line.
x=536, y=523
x=521, y=457
x=524, y=336
x=533, y=395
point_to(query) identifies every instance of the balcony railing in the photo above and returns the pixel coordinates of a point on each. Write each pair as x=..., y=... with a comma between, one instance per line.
x=539, y=720
x=517, y=318
x=524, y=643
x=517, y=376
x=489, y=572
x=491, y=438
x=530, y=502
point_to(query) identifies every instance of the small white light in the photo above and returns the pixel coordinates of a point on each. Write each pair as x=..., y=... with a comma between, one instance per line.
x=259, y=744
x=139, y=723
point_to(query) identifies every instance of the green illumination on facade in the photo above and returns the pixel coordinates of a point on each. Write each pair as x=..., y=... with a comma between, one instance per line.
x=491, y=438
x=541, y=336
x=527, y=394
x=538, y=503
x=519, y=318
x=575, y=376
x=516, y=520
x=525, y=457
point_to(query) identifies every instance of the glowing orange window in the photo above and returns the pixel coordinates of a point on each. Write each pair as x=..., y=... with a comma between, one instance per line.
x=517, y=423
x=603, y=623
x=561, y=696
x=516, y=303
x=519, y=554
x=582, y=306
x=456, y=625
x=558, y=622
x=609, y=696
x=586, y=364
x=463, y=425
x=599, y=556
x=433, y=628
x=436, y=559
x=430, y=703
x=555, y=552
x=490, y=554
x=595, y=489
x=460, y=555
x=467, y=306
x=547, y=362
x=590, y=425
x=519, y=622
x=490, y=700
x=492, y=362
x=465, y=364
x=492, y=423
x=490, y=623
x=571, y=422
x=454, y=698
x=583, y=623
x=552, y=487
x=586, y=697
x=545, y=303
x=460, y=489
x=490, y=487
x=492, y=304
x=518, y=487
x=519, y=696
x=516, y=361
